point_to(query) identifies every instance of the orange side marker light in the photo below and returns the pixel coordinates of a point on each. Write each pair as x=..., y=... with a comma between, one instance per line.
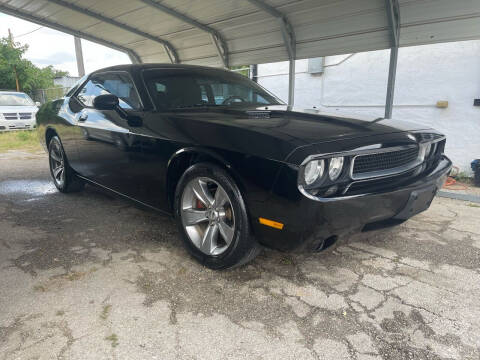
x=271, y=223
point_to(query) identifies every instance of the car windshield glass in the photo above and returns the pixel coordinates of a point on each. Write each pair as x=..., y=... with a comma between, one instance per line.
x=76, y=85
x=15, y=100
x=183, y=88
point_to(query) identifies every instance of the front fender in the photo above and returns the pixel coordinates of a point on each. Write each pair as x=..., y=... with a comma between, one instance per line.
x=254, y=175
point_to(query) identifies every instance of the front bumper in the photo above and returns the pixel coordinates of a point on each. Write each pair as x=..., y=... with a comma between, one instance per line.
x=308, y=223
x=7, y=125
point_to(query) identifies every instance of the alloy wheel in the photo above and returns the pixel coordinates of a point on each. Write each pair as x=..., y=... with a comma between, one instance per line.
x=207, y=215
x=57, y=163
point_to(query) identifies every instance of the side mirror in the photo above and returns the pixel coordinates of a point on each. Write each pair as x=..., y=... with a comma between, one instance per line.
x=38, y=103
x=111, y=102
x=106, y=102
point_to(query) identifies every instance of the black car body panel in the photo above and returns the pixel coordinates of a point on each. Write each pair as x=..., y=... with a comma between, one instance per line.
x=310, y=223
x=263, y=147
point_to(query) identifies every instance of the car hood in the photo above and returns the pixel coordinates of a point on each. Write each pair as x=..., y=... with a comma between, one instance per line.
x=310, y=126
x=273, y=132
x=17, y=109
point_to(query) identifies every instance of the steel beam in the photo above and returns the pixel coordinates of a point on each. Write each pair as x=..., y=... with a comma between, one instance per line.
x=169, y=49
x=134, y=58
x=217, y=39
x=29, y=17
x=221, y=49
x=79, y=56
x=288, y=35
x=392, y=72
x=393, y=16
x=291, y=82
x=267, y=8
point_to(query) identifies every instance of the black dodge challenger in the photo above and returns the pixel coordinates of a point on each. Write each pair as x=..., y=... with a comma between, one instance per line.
x=234, y=164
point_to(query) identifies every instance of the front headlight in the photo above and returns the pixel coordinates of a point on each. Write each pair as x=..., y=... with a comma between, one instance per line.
x=432, y=151
x=335, y=167
x=313, y=171
x=427, y=149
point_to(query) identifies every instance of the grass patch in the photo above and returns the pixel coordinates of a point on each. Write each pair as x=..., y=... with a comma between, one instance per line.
x=474, y=205
x=39, y=288
x=105, y=312
x=286, y=260
x=113, y=339
x=464, y=178
x=75, y=275
x=19, y=140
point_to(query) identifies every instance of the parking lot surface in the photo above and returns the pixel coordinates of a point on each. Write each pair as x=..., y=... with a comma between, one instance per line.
x=91, y=276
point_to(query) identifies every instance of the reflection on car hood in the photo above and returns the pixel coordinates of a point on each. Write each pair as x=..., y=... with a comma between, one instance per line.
x=273, y=132
x=310, y=126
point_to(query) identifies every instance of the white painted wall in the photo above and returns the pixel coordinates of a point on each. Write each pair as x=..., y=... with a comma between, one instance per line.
x=66, y=81
x=426, y=74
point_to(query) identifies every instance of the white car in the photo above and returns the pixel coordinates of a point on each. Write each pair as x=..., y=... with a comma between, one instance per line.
x=17, y=111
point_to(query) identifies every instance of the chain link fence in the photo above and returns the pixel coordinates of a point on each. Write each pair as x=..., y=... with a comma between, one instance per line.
x=44, y=95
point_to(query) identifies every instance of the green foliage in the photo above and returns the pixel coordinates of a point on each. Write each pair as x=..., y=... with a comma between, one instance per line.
x=19, y=140
x=30, y=77
x=463, y=177
x=23, y=136
x=242, y=69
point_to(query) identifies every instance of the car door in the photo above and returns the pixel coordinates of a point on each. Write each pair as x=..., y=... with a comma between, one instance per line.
x=108, y=151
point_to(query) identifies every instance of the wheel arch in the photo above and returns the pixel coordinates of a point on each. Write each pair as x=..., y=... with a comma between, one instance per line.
x=49, y=134
x=182, y=159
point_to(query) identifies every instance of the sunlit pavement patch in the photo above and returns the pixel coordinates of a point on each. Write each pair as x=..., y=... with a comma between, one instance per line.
x=27, y=188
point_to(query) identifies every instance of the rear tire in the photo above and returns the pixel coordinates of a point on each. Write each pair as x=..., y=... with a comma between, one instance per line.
x=63, y=176
x=213, y=219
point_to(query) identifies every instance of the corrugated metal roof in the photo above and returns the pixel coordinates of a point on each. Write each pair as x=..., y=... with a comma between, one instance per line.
x=251, y=35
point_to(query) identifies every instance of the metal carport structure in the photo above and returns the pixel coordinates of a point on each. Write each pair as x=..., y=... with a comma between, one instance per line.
x=241, y=32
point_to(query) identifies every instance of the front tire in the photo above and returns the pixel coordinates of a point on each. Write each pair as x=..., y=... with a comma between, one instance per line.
x=62, y=174
x=212, y=217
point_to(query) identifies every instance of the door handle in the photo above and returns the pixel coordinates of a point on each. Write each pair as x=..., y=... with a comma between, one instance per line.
x=83, y=117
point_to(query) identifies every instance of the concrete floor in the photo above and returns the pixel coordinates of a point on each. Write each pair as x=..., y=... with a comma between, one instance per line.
x=89, y=276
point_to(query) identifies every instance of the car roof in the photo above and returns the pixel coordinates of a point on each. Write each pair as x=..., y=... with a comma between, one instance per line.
x=136, y=67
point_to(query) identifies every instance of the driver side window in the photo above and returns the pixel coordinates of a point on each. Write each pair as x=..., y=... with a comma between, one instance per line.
x=119, y=84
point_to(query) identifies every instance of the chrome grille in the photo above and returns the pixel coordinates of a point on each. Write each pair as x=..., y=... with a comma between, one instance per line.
x=17, y=116
x=25, y=116
x=384, y=161
x=10, y=116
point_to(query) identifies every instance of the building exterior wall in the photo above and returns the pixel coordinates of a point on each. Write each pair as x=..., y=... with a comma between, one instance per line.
x=426, y=74
x=66, y=81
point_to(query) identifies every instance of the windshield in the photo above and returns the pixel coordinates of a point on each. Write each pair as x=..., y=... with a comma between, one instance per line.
x=174, y=89
x=15, y=100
